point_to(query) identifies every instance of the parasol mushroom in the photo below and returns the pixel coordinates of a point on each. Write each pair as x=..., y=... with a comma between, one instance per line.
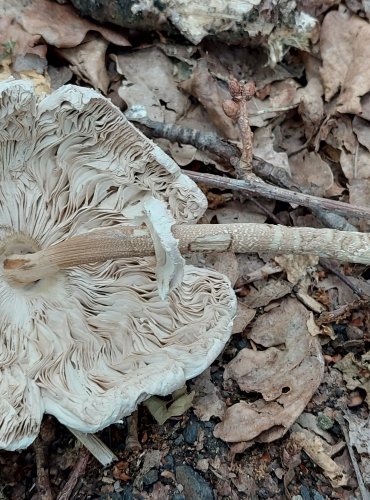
x=89, y=343
x=90, y=324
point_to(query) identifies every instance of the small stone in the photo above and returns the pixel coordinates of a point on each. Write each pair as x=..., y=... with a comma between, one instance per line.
x=179, y=440
x=150, y=477
x=178, y=496
x=195, y=486
x=203, y=464
x=324, y=422
x=191, y=433
x=168, y=462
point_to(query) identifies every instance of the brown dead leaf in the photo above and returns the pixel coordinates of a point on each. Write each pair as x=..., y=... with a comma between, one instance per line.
x=87, y=61
x=263, y=148
x=309, y=171
x=314, y=446
x=345, y=51
x=225, y=263
x=13, y=36
x=356, y=373
x=361, y=129
x=262, y=272
x=235, y=211
x=263, y=293
x=311, y=106
x=207, y=402
x=244, y=316
x=359, y=433
x=61, y=26
x=296, y=266
x=286, y=374
x=204, y=87
x=149, y=82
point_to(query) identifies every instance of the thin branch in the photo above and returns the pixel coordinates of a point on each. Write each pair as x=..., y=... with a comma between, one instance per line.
x=254, y=185
x=363, y=490
x=204, y=141
x=132, y=441
x=226, y=150
x=42, y=466
x=78, y=471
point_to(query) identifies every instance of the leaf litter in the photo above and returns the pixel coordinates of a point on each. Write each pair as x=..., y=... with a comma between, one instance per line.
x=310, y=117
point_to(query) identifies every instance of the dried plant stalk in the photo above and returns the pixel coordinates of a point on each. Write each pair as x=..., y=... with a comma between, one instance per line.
x=129, y=241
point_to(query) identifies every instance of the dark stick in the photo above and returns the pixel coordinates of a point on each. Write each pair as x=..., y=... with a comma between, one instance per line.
x=254, y=185
x=77, y=472
x=43, y=481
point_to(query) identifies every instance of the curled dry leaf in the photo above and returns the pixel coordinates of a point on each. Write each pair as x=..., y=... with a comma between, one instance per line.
x=314, y=446
x=285, y=376
x=345, y=51
x=87, y=61
x=356, y=373
x=61, y=26
x=207, y=402
x=296, y=266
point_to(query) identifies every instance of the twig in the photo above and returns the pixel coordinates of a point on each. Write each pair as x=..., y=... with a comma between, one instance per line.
x=330, y=266
x=204, y=141
x=132, y=441
x=43, y=480
x=254, y=185
x=363, y=490
x=77, y=472
x=237, y=110
x=214, y=144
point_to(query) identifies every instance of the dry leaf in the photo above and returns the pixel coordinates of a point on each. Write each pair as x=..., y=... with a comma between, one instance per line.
x=207, y=401
x=225, y=263
x=160, y=410
x=211, y=95
x=149, y=82
x=345, y=51
x=361, y=129
x=309, y=171
x=314, y=447
x=296, y=266
x=263, y=293
x=15, y=40
x=236, y=211
x=359, y=433
x=87, y=61
x=285, y=376
x=263, y=148
x=244, y=316
x=61, y=26
x=356, y=373
x=311, y=106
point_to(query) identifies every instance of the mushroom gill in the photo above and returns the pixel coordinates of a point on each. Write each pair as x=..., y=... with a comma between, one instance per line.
x=88, y=344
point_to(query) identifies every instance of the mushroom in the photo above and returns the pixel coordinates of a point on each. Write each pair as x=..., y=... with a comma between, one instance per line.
x=91, y=324
x=88, y=343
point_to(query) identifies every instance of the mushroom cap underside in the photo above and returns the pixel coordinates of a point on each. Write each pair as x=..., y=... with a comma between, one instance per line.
x=90, y=343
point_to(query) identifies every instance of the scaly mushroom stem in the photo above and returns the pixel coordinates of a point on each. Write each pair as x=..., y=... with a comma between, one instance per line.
x=129, y=241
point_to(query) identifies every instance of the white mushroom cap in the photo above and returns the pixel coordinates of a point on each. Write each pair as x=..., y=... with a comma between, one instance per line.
x=90, y=343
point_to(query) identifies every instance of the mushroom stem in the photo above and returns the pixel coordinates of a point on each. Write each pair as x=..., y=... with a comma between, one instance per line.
x=130, y=241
